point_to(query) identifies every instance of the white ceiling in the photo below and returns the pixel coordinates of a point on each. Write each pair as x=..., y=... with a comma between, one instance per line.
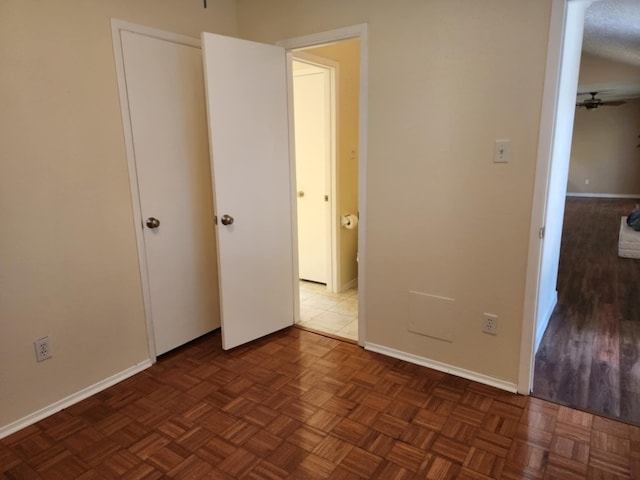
x=612, y=30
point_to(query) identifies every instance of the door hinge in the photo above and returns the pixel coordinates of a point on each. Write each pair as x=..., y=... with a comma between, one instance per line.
x=541, y=233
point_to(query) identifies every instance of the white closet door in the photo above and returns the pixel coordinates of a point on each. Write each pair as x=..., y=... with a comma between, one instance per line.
x=165, y=95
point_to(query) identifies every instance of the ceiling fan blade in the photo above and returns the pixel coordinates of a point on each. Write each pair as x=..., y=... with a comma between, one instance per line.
x=593, y=103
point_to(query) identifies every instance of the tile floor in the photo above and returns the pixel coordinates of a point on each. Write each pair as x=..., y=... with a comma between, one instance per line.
x=334, y=313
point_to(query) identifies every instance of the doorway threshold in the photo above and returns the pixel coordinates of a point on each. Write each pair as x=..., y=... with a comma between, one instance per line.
x=326, y=334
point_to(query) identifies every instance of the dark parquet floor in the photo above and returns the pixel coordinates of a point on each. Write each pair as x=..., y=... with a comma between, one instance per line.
x=303, y=406
x=589, y=357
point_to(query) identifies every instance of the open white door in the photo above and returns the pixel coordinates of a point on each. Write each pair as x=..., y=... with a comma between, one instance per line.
x=249, y=143
x=312, y=112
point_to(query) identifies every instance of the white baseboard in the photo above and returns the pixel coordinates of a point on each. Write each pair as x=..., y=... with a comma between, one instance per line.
x=543, y=322
x=603, y=195
x=49, y=410
x=443, y=367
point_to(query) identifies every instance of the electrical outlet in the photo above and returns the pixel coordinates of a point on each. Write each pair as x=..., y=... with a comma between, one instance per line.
x=43, y=348
x=490, y=323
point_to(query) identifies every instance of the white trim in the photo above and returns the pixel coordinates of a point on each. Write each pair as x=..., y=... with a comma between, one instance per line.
x=294, y=196
x=543, y=167
x=542, y=325
x=324, y=38
x=443, y=367
x=72, y=399
x=121, y=25
x=603, y=195
x=362, y=182
x=560, y=12
x=333, y=245
x=117, y=27
x=346, y=33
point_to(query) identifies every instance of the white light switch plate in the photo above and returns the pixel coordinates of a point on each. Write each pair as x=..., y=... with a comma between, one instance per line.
x=501, y=151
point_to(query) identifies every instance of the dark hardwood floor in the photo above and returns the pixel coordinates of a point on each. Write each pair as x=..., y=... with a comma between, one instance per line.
x=300, y=405
x=589, y=357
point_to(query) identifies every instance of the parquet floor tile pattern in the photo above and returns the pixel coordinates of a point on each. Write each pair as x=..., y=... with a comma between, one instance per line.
x=302, y=406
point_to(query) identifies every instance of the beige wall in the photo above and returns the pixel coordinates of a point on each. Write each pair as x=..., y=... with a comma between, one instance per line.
x=446, y=78
x=595, y=69
x=347, y=54
x=604, y=150
x=68, y=260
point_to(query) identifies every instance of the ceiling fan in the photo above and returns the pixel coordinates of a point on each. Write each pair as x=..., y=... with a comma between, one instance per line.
x=594, y=102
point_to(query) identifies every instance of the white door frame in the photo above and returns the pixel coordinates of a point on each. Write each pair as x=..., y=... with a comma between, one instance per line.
x=557, y=81
x=333, y=246
x=346, y=33
x=118, y=26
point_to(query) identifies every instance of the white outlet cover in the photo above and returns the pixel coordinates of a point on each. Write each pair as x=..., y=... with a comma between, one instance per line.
x=490, y=323
x=43, y=349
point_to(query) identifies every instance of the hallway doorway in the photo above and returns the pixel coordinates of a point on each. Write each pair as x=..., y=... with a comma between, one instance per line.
x=326, y=93
x=330, y=313
x=589, y=355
